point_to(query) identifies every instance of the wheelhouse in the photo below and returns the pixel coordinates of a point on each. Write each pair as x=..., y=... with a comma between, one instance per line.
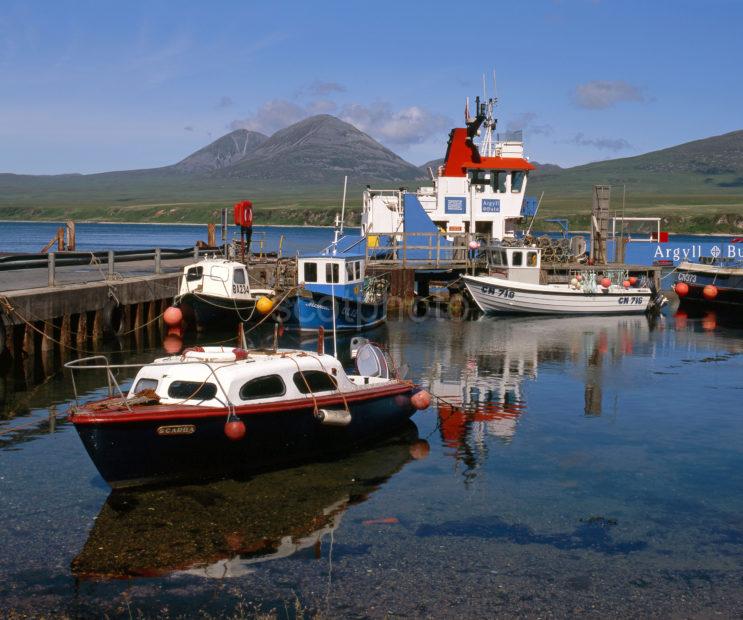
x=218, y=278
x=342, y=276
x=520, y=264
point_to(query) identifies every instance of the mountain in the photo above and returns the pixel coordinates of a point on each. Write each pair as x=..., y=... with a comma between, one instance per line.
x=321, y=149
x=709, y=165
x=222, y=153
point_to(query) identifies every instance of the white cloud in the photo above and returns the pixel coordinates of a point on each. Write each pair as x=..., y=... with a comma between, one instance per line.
x=527, y=122
x=600, y=94
x=608, y=144
x=272, y=116
x=411, y=125
x=321, y=89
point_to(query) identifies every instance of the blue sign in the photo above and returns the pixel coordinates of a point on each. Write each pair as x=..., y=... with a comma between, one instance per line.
x=455, y=205
x=491, y=205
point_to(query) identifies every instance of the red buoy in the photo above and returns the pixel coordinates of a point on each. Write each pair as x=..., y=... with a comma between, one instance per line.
x=173, y=344
x=681, y=288
x=420, y=449
x=632, y=280
x=709, y=291
x=173, y=316
x=234, y=429
x=421, y=400
x=625, y=284
x=606, y=282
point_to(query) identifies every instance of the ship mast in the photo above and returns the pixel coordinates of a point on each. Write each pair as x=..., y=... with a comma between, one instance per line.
x=488, y=142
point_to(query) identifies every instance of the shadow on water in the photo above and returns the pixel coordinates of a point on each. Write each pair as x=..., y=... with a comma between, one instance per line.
x=221, y=529
x=592, y=534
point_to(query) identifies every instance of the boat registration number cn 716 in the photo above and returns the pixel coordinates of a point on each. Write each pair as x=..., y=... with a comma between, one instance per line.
x=498, y=292
x=630, y=301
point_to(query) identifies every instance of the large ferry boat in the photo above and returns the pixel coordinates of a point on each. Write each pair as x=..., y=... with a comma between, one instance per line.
x=479, y=190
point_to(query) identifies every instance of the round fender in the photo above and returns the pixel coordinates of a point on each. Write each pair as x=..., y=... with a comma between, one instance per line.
x=113, y=318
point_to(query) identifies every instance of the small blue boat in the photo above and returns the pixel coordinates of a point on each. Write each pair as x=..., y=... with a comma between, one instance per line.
x=335, y=295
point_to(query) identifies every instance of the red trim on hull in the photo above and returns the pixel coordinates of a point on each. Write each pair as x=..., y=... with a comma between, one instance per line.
x=172, y=412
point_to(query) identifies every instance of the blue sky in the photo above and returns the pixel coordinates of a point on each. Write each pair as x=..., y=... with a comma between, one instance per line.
x=102, y=85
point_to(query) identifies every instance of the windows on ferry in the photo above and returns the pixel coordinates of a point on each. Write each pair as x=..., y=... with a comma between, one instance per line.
x=517, y=181
x=499, y=181
x=194, y=273
x=238, y=276
x=269, y=386
x=192, y=390
x=332, y=273
x=310, y=272
x=481, y=177
x=314, y=381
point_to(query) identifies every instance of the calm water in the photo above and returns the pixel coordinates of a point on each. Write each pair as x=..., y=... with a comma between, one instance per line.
x=32, y=236
x=576, y=466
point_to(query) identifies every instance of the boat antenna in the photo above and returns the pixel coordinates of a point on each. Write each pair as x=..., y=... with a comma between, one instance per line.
x=534, y=217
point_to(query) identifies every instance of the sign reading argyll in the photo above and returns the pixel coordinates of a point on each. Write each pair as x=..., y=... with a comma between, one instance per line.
x=698, y=250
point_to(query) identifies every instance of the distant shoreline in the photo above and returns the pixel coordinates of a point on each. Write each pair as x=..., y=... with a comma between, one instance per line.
x=61, y=222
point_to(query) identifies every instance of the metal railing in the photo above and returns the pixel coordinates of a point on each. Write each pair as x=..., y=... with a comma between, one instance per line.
x=422, y=249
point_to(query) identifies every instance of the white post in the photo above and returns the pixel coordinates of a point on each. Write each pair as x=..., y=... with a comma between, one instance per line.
x=343, y=204
x=332, y=301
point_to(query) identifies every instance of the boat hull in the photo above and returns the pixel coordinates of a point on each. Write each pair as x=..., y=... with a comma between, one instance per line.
x=499, y=296
x=728, y=282
x=206, y=311
x=161, y=444
x=310, y=313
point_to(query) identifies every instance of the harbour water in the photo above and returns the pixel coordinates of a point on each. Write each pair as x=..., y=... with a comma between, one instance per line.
x=569, y=466
x=572, y=466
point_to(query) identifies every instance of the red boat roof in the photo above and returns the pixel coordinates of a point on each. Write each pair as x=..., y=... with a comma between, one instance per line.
x=462, y=154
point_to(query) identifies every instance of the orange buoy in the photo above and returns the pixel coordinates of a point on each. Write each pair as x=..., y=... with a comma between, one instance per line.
x=234, y=429
x=709, y=291
x=625, y=284
x=606, y=282
x=632, y=280
x=420, y=449
x=421, y=400
x=709, y=322
x=173, y=316
x=681, y=288
x=173, y=343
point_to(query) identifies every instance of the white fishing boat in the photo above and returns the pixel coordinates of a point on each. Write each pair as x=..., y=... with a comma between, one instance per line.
x=215, y=292
x=516, y=284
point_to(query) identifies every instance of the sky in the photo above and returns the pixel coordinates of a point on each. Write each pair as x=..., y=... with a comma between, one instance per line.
x=92, y=86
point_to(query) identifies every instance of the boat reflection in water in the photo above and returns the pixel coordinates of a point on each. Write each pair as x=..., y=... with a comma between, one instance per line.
x=481, y=377
x=219, y=530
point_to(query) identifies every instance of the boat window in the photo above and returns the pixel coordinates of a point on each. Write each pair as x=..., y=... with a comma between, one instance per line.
x=503, y=257
x=238, y=276
x=192, y=390
x=145, y=384
x=310, y=272
x=517, y=259
x=314, y=381
x=263, y=387
x=332, y=273
x=357, y=266
x=349, y=271
x=499, y=181
x=517, y=180
x=194, y=273
x=481, y=177
x=531, y=259
x=220, y=273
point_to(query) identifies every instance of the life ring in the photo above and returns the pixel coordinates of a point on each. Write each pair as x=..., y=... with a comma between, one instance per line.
x=214, y=354
x=113, y=318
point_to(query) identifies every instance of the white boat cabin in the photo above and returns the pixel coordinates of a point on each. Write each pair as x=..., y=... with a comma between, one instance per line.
x=218, y=277
x=519, y=264
x=224, y=377
x=344, y=272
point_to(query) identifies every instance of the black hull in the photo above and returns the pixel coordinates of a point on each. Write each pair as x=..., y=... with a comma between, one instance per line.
x=190, y=448
x=204, y=312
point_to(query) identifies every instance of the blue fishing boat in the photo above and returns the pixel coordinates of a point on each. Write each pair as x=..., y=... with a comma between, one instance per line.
x=715, y=283
x=334, y=294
